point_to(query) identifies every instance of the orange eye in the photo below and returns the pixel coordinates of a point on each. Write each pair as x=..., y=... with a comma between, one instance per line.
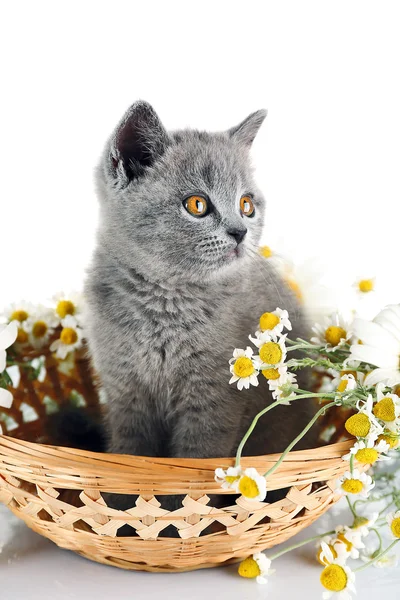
x=196, y=206
x=247, y=206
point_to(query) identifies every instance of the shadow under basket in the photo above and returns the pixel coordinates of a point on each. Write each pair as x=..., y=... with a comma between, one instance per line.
x=58, y=491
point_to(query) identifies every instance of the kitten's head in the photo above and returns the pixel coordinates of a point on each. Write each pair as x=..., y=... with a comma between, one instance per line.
x=180, y=204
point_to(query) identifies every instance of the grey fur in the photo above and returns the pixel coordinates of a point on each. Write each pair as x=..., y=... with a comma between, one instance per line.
x=167, y=306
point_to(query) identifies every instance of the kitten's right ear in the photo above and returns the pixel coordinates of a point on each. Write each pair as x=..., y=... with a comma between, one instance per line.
x=246, y=131
x=139, y=139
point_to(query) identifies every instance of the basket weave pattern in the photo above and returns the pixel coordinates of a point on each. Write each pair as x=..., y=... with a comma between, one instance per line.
x=57, y=491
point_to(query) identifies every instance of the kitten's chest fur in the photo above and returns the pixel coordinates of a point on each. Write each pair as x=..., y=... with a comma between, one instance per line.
x=159, y=329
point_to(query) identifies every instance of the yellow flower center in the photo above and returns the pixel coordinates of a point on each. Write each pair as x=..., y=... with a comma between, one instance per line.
x=366, y=285
x=358, y=425
x=19, y=315
x=271, y=373
x=389, y=439
x=265, y=251
x=271, y=353
x=64, y=308
x=248, y=487
x=334, y=578
x=334, y=334
x=352, y=486
x=384, y=409
x=39, y=329
x=294, y=286
x=22, y=336
x=323, y=560
x=395, y=527
x=367, y=456
x=249, y=568
x=342, y=538
x=231, y=478
x=342, y=386
x=268, y=321
x=243, y=367
x=68, y=336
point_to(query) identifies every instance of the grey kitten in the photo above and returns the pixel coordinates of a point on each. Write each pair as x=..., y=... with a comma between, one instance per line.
x=176, y=283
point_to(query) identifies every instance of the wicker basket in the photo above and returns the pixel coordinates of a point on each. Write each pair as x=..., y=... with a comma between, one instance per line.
x=57, y=491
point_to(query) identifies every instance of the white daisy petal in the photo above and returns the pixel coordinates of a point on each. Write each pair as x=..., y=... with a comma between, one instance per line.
x=8, y=335
x=6, y=398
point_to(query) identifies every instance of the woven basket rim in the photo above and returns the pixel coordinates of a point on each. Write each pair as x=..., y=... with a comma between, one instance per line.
x=124, y=473
x=326, y=451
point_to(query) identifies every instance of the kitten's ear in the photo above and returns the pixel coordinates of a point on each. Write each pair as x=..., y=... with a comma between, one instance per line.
x=139, y=139
x=246, y=131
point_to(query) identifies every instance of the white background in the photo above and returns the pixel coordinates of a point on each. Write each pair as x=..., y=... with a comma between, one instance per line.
x=327, y=157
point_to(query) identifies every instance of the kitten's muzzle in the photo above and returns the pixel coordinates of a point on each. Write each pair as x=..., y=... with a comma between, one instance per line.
x=238, y=234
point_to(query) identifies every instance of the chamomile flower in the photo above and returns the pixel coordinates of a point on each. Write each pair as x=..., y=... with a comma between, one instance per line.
x=385, y=562
x=380, y=345
x=368, y=453
x=337, y=578
x=364, y=524
x=256, y=567
x=356, y=483
x=271, y=351
x=364, y=285
x=68, y=304
x=387, y=409
x=364, y=424
x=351, y=367
x=334, y=332
x=282, y=387
x=347, y=383
x=40, y=326
x=243, y=369
x=390, y=438
x=229, y=478
x=393, y=520
x=252, y=485
x=330, y=549
x=18, y=311
x=265, y=251
x=347, y=540
x=71, y=338
x=274, y=322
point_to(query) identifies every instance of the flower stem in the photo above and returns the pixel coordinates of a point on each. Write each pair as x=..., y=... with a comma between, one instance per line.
x=371, y=562
x=299, y=437
x=265, y=410
x=378, y=550
x=351, y=507
x=299, y=544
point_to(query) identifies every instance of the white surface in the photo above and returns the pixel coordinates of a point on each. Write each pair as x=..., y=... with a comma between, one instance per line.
x=32, y=567
x=327, y=157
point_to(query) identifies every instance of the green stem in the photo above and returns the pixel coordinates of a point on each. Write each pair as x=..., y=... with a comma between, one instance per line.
x=299, y=544
x=299, y=437
x=377, y=551
x=371, y=562
x=351, y=507
x=265, y=410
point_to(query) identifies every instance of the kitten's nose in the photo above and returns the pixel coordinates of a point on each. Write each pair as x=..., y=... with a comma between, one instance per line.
x=238, y=234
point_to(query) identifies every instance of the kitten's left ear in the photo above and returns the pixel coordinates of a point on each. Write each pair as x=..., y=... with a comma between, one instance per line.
x=246, y=131
x=138, y=141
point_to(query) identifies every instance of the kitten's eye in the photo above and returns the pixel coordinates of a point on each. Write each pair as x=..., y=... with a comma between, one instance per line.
x=196, y=206
x=246, y=206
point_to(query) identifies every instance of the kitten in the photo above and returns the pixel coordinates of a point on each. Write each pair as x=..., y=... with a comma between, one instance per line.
x=176, y=283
